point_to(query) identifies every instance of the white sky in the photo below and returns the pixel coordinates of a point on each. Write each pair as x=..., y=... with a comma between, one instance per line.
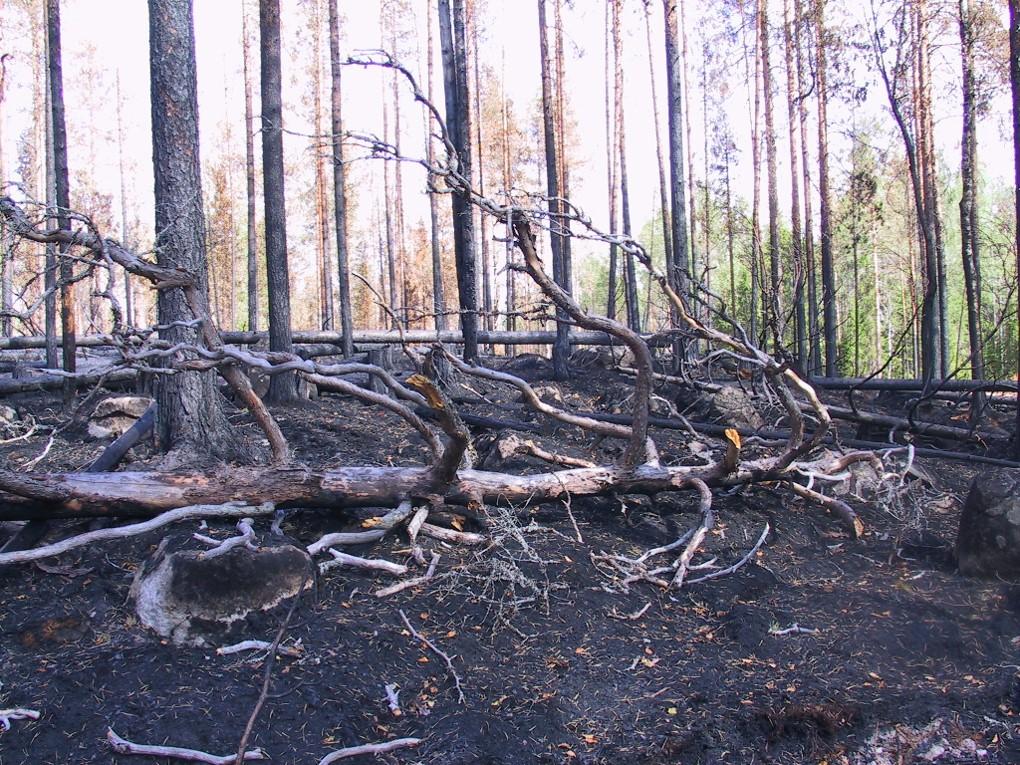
x=117, y=30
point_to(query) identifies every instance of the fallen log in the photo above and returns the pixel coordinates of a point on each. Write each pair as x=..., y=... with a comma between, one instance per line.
x=920, y=427
x=36, y=528
x=361, y=337
x=40, y=382
x=712, y=429
x=958, y=386
x=74, y=495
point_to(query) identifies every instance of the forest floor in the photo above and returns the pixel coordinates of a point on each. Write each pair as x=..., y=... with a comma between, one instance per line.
x=903, y=660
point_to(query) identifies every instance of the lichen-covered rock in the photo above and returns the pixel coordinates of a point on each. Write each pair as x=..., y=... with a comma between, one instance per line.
x=112, y=416
x=988, y=542
x=733, y=407
x=187, y=595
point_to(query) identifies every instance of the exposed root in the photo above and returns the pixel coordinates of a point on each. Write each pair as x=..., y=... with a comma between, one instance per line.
x=123, y=746
x=227, y=510
x=376, y=749
x=393, y=589
x=374, y=564
x=17, y=713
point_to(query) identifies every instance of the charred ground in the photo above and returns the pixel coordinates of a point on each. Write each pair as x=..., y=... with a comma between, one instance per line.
x=553, y=667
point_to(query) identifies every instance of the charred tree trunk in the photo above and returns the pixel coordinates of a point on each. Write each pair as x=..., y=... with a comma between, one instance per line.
x=249, y=174
x=1014, y=83
x=566, y=259
x=814, y=362
x=7, y=265
x=630, y=272
x=129, y=313
x=775, y=309
x=824, y=213
x=321, y=201
x=678, y=255
x=339, y=183
x=438, y=291
x=190, y=417
x=458, y=120
x=62, y=191
x=282, y=387
x=484, y=238
x=793, y=115
x=50, y=276
x=968, y=199
x=611, y=165
x=561, y=349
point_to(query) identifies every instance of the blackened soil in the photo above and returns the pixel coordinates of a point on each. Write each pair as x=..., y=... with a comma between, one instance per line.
x=553, y=668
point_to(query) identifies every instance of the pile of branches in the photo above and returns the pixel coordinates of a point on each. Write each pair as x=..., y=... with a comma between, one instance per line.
x=417, y=498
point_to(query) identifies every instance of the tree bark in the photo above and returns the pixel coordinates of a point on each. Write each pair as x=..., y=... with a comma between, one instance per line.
x=438, y=291
x=52, y=344
x=561, y=349
x=458, y=121
x=814, y=363
x=969, y=237
x=794, y=117
x=7, y=264
x=680, y=267
x=484, y=239
x=824, y=213
x=566, y=259
x=251, y=233
x=61, y=191
x=775, y=309
x=283, y=387
x=630, y=272
x=1014, y=83
x=339, y=183
x=125, y=236
x=321, y=204
x=612, y=148
x=190, y=416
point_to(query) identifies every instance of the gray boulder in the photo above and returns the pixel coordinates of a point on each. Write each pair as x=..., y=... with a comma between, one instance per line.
x=988, y=542
x=731, y=406
x=189, y=596
x=113, y=416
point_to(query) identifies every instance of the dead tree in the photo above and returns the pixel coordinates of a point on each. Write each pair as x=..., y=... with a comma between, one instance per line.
x=190, y=414
x=447, y=478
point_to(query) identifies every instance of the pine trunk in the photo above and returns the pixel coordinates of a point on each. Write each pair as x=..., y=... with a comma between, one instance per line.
x=824, y=214
x=339, y=182
x=561, y=351
x=282, y=387
x=1014, y=83
x=438, y=291
x=458, y=120
x=968, y=198
x=190, y=417
x=679, y=260
x=249, y=173
x=62, y=193
x=630, y=272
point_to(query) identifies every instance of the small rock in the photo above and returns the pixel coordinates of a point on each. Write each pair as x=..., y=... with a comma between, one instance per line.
x=988, y=542
x=550, y=394
x=8, y=415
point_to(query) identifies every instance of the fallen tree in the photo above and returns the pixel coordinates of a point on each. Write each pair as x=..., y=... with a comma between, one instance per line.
x=449, y=477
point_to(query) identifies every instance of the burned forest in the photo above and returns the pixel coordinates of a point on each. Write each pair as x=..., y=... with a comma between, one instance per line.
x=567, y=382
